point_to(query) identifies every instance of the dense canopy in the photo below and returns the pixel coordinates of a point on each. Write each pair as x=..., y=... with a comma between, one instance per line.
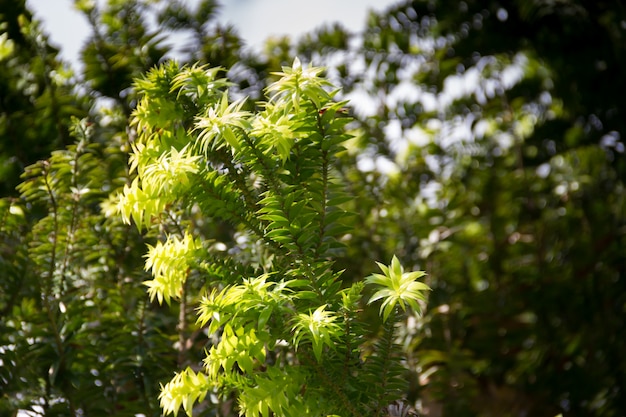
x=483, y=144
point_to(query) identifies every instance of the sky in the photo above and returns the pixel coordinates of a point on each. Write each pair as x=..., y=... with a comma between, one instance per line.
x=255, y=20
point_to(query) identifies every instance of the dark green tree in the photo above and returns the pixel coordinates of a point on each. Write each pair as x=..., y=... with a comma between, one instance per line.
x=37, y=97
x=78, y=334
x=491, y=154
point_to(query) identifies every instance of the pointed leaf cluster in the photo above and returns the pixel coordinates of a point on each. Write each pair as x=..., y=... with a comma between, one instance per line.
x=398, y=288
x=185, y=389
x=253, y=301
x=169, y=262
x=319, y=328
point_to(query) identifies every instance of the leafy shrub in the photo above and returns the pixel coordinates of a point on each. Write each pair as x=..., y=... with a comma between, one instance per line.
x=285, y=333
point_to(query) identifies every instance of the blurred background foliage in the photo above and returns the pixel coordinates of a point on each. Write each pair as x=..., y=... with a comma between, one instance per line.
x=488, y=150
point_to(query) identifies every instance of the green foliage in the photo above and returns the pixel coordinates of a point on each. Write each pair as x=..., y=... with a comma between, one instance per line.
x=474, y=159
x=77, y=335
x=487, y=148
x=37, y=97
x=121, y=46
x=398, y=287
x=284, y=330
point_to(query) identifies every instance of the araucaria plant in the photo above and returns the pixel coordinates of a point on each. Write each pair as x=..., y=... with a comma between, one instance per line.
x=241, y=198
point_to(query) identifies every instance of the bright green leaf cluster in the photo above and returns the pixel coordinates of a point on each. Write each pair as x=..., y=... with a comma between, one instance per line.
x=184, y=389
x=299, y=82
x=255, y=297
x=276, y=392
x=398, y=287
x=170, y=262
x=276, y=130
x=319, y=328
x=216, y=126
x=240, y=346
